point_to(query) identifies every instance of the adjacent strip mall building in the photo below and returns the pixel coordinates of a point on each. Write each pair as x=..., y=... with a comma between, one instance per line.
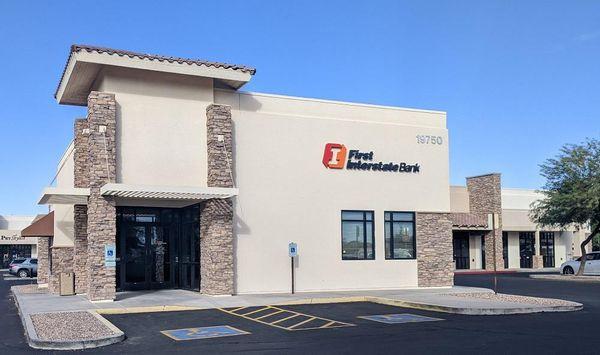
x=176, y=179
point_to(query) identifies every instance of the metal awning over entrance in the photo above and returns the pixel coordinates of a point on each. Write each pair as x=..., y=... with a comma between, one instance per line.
x=64, y=196
x=79, y=196
x=167, y=192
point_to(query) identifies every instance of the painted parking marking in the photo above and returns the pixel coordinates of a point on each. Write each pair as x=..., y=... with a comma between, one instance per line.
x=284, y=318
x=270, y=314
x=203, y=332
x=399, y=318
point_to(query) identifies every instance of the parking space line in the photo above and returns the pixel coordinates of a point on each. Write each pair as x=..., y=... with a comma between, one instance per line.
x=286, y=318
x=250, y=318
x=303, y=322
x=255, y=311
x=328, y=324
x=300, y=325
x=270, y=314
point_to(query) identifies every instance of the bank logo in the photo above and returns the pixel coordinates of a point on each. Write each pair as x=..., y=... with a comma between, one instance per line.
x=334, y=156
x=337, y=156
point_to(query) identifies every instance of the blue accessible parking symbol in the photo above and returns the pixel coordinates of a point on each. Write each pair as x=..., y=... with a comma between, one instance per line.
x=203, y=332
x=400, y=318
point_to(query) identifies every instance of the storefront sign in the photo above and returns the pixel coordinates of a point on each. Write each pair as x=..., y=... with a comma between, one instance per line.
x=11, y=237
x=110, y=256
x=335, y=154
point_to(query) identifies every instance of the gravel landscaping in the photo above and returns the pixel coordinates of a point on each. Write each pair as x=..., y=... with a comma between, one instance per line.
x=69, y=326
x=501, y=297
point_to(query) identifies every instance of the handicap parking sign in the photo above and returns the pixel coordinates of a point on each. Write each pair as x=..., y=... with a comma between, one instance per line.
x=110, y=257
x=293, y=249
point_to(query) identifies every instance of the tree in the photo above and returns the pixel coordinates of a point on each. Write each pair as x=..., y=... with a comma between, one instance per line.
x=572, y=191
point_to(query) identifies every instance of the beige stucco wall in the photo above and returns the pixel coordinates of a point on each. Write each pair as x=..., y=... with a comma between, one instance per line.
x=161, y=126
x=63, y=214
x=459, y=199
x=286, y=194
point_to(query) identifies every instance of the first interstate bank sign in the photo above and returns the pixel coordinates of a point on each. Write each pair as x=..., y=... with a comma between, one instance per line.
x=337, y=156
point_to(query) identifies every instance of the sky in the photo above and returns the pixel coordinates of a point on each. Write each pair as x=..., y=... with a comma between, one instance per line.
x=518, y=79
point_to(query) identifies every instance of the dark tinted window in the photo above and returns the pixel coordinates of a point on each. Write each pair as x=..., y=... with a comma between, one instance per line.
x=399, y=235
x=17, y=261
x=358, y=235
x=33, y=261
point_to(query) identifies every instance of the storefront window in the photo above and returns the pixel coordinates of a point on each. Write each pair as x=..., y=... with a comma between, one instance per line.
x=400, y=235
x=357, y=235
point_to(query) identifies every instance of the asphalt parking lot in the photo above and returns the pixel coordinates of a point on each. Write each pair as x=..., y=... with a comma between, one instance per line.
x=350, y=333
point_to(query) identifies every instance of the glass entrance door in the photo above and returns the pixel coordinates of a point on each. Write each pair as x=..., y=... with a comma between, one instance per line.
x=158, y=248
x=189, y=249
x=547, y=248
x=526, y=248
x=460, y=245
x=505, y=249
x=145, y=252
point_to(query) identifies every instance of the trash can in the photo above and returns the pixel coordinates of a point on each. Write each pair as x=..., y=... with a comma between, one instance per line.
x=67, y=283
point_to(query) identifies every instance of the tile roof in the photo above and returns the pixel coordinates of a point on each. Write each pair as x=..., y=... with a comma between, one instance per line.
x=468, y=220
x=153, y=57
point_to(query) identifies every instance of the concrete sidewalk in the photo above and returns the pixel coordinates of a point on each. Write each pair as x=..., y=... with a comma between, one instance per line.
x=439, y=299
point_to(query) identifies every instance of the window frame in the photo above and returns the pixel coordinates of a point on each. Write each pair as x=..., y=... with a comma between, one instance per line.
x=391, y=221
x=364, y=223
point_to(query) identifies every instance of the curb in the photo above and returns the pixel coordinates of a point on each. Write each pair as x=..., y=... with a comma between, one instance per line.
x=590, y=279
x=35, y=342
x=438, y=308
x=145, y=309
x=485, y=272
x=475, y=311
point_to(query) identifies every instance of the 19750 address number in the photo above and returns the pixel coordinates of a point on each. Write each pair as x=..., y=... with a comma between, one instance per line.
x=427, y=139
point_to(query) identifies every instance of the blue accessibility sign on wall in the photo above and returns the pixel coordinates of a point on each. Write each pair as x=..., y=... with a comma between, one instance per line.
x=399, y=318
x=203, y=332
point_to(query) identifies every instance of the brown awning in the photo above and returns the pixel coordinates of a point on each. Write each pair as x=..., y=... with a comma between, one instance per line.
x=42, y=227
x=469, y=221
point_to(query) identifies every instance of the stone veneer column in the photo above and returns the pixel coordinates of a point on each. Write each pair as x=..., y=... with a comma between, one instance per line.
x=435, y=266
x=216, y=216
x=80, y=211
x=43, y=260
x=485, y=198
x=62, y=261
x=101, y=211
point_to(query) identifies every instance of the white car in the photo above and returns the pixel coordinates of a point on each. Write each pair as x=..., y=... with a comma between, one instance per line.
x=592, y=265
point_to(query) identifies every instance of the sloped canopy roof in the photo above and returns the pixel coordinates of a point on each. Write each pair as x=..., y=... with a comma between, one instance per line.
x=85, y=62
x=42, y=227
